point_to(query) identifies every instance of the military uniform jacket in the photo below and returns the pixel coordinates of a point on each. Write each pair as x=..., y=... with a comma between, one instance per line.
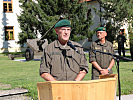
x=102, y=59
x=63, y=63
x=121, y=39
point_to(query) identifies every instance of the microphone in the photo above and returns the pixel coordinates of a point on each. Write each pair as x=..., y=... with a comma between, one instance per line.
x=117, y=56
x=72, y=46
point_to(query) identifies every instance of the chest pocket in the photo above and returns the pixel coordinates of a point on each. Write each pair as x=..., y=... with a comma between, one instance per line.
x=56, y=62
x=74, y=61
x=98, y=54
x=108, y=57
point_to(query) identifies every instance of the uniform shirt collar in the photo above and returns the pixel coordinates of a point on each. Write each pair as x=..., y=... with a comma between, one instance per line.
x=105, y=44
x=58, y=45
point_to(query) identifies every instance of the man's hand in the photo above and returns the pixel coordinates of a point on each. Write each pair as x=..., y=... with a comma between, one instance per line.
x=104, y=71
x=81, y=75
x=48, y=77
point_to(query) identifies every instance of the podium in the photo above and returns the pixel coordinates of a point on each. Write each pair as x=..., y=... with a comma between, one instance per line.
x=101, y=89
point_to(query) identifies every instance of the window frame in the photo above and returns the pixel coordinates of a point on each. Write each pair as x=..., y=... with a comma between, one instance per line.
x=8, y=31
x=7, y=6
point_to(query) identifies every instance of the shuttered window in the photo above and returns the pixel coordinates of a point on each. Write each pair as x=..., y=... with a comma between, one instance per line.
x=9, y=33
x=7, y=6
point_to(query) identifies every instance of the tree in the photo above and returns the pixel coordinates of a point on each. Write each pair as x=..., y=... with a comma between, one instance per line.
x=115, y=12
x=111, y=30
x=38, y=16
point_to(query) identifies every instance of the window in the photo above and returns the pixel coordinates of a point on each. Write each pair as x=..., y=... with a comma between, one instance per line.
x=7, y=6
x=9, y=33
x=7, y=0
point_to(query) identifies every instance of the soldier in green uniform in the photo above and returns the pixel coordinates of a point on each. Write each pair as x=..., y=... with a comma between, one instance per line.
x=121, y=40
x=101, y=63
x=61, y=62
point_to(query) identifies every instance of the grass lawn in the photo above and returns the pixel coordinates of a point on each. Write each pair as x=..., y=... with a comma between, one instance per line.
x=26, y=75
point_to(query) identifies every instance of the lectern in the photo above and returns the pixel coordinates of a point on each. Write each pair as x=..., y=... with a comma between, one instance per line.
x=101, y=89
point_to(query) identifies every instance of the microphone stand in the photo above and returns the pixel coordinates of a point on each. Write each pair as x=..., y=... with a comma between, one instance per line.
x=117, y=60
x=119, y=85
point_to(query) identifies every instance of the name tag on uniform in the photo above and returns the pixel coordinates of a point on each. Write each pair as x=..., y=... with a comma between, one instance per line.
x=97, y=48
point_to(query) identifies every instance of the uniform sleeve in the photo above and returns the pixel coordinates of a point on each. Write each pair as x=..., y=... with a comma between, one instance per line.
x=112, y=50
x=45, y=63
x=84, y=63
x=92, y=55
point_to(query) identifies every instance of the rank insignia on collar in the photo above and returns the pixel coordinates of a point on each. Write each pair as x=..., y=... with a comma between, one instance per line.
x=105, y=50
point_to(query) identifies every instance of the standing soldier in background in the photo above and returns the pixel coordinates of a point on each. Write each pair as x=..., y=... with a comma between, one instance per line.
x=101, y=63
x=121, y=39
x=60, y=62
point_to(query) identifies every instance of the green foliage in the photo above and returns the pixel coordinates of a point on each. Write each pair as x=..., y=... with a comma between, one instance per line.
x=111, y=30
x=40, y=16
x=115, y=12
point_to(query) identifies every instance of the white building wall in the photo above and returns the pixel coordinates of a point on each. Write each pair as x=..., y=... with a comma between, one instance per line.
x=9, y=19
x=1, y=26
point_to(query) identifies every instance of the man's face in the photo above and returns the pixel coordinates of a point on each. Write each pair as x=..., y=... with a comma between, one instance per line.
x=101, y=34
x=63, y=33
x=120, y=32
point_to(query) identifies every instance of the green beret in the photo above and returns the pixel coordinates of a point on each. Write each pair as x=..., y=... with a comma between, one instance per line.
x=101, y=29
x=63, y=23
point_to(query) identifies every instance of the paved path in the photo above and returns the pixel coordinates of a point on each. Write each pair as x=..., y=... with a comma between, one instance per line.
x=125, y=97
x=12, y=94
x=126, y=52
x=16, y=91
x=15, y=97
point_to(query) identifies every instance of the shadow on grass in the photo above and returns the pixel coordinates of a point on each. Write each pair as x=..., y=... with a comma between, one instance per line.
x=16, y=53
x=121, y=60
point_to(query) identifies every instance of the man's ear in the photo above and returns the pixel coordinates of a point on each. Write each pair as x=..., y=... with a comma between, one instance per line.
x=56, y=30
x=105, y=33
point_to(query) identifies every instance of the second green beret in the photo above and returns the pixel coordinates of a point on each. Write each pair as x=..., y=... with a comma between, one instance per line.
x=101, y=29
